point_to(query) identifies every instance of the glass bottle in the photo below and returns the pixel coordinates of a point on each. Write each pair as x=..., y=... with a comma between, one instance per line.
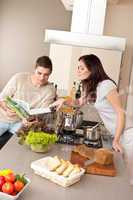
x=78, y=92
x=73, y=91
x=55, y=98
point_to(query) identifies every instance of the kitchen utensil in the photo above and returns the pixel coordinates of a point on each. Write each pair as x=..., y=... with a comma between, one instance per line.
x=72, y=120
x=92, y=133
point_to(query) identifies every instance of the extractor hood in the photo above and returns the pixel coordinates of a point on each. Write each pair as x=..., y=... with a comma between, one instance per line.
x=68, y=4
x=86, y=40
x=87, y=27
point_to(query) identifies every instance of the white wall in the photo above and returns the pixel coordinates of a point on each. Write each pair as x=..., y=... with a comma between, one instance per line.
x=130, y=102
x=22, y=25
x=119, y=23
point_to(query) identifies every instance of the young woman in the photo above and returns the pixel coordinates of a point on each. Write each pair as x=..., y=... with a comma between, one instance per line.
x=99, y=87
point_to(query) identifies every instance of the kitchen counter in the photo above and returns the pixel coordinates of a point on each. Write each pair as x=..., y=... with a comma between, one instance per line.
x=94, y=187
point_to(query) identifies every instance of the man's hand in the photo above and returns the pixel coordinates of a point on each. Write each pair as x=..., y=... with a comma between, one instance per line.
x=58, y=104
x=29, y=122
x=9, y=111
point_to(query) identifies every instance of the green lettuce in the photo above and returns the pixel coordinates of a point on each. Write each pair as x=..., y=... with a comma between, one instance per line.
x=40, y=137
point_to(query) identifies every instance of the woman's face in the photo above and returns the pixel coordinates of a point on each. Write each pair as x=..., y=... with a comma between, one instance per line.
x=82, y=72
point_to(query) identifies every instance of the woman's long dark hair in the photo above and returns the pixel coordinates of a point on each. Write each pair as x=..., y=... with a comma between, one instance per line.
x=94, y=65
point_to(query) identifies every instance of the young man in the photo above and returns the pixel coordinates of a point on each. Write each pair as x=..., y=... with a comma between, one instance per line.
x=33, y=88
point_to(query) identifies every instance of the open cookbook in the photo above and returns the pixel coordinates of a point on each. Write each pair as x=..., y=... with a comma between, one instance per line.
x=32, y=111
x=23, y=109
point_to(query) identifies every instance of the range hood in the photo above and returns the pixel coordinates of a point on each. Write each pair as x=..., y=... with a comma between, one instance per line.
x=87, y=25
x=68, y=4
x=86, y=40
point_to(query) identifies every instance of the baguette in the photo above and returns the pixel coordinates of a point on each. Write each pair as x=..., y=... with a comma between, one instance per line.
x=62, y=167
x=75, y=170
x=68, y=170
x=54, y=163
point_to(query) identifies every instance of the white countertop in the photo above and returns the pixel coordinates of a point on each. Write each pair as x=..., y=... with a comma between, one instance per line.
x=94, y=187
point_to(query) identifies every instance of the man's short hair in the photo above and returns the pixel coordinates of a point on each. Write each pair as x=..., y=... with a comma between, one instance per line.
x=44, y=61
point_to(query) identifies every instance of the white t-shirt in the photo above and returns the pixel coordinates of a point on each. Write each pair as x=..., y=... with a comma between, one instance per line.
x=104, y=107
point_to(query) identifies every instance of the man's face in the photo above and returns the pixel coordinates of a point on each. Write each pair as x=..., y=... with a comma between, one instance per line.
x=41, y=75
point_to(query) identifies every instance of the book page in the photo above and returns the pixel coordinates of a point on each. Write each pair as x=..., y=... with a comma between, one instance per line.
x=23, y=104
x=34, y=111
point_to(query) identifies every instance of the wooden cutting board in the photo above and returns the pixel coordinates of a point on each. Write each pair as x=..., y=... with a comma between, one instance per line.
x=105, y=170
x=93, y=168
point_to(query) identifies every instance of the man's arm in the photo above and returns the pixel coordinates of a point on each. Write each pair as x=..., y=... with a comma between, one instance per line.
x=8, y=90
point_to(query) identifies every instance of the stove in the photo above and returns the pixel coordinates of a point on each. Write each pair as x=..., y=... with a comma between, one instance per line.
x=76, y=137
x=93, y=143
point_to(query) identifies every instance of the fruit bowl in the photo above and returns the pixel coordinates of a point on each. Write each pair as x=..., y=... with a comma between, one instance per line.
x=5, y=196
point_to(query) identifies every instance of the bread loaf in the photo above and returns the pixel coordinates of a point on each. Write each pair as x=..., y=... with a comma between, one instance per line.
x=84, y=151
x=104, y=156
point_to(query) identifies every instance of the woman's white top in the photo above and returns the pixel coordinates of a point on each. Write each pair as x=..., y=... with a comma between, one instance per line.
x=104, y=107
x=109, y=117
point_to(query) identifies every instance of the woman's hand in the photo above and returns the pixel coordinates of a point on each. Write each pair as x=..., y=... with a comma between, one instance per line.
x=58, y=104
x=117, y=146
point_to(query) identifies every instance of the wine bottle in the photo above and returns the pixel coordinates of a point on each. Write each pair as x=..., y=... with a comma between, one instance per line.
x=55, y=98
x=78, y=92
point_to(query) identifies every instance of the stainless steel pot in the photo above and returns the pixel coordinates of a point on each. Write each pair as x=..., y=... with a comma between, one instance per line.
x=78, y=118
x=92, y=132
x=72, y=120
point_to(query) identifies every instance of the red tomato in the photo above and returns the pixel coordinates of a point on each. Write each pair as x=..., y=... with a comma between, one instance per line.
x=2, y=181
x=14, y=193
x=18, y=185
x=10, y=178
x=8, y=188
